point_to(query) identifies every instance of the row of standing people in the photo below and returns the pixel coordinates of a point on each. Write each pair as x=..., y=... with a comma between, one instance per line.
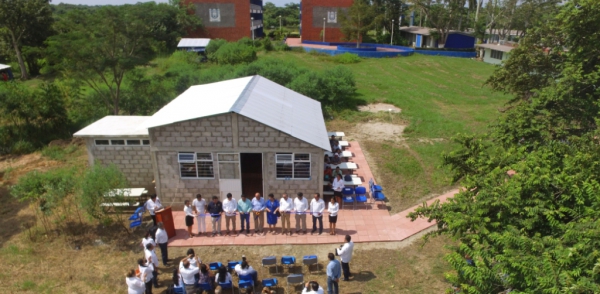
x=256, y=209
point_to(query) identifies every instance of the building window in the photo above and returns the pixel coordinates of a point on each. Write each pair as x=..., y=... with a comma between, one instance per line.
x=145, y=142
x=496, y=54
x=122, y=142
x=133, y=142
x=195, y=165
x=292, y=165
x=102, y=142
x=117, y=142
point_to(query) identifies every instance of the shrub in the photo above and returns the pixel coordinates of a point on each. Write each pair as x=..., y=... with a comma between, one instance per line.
x=213, y=47
x=281, y=72
x=235, y=53
x=346, y=58
x=267, y=44
x=58, y=152
x=22, y=147
x=96, y=183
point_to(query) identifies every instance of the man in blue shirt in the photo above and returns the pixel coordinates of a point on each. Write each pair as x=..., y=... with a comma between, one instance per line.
x=245, y=208
x=258, y=207
x=334, y=271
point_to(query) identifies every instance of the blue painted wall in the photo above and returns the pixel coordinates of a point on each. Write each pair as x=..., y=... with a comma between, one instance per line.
x=460, y=41
x=419, y=42
x=379, y=54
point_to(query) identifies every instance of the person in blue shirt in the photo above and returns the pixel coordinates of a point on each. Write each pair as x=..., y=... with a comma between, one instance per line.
x=272, y=207
x=245, y=208
x=258, y=209
x=334, y=271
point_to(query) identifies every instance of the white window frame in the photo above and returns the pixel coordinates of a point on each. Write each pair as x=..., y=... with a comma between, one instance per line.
x=293, y=161
x=195, y=161
x=141, y=142
x=495, y=53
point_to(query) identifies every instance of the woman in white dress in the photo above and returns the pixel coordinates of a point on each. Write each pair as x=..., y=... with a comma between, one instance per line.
x=333, y=210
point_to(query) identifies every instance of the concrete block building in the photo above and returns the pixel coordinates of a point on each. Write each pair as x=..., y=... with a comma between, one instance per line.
x=228, y=19
x=319, y=14
x=239, y=136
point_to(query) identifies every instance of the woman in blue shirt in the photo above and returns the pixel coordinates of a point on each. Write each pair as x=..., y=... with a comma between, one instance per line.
x=272, y=207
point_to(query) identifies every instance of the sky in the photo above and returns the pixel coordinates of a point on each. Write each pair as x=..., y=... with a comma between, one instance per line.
x=118, y=2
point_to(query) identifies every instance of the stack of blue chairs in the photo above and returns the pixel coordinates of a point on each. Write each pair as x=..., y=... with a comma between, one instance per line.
x=376, y=191
x=347, y=196
x=361, y=195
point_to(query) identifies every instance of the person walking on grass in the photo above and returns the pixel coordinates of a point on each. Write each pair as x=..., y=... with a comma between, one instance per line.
x=199, y=206
x=230, y=208
x=272, y=208
x=162, y=239
x=333, y=211
x=345, y=253
x=215, y=208
x=317, y=206
x=245, y=208
x=334, y=272
x=135, y=282
x=258, y=208
x=189, y=217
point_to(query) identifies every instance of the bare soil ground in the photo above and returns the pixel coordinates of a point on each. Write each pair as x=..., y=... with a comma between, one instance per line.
x=379, y=107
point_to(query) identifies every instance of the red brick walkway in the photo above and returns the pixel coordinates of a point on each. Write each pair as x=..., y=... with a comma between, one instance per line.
x=370, y=224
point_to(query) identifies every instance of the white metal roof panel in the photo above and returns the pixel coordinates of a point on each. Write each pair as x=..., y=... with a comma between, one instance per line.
x=116, y=126
x=200, y=101
x=4, y=66
x=193, y=42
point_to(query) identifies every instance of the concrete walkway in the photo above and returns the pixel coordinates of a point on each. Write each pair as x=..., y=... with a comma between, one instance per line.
x=366, y=223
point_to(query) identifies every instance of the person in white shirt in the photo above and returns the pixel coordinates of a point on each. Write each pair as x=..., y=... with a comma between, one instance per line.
x=300, y=208
x=146, y=272
x=188, y=275
x=152, y=259
x=245, y=269
x=337, y=186
x=192, y=258
x=230, y=208
x=317, y=206
x=162, y=239
x=199, y=206
x=286, y=205
x=189, y=217
x=148, y=239
x=223, y=276
x=345, y=253
x=313, y=287
x=135, y=285
x=333, y=210
x=152, y=206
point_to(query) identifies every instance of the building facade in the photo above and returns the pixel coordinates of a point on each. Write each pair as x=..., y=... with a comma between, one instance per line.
x=318, y=16
x=228, y=19
x=494, y=53
x=240, y=136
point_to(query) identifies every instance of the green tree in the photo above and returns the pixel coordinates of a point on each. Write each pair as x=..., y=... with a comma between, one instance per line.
x=95, y=185
x=441, y=16
x=24, y=21
x=357, y=20
x=527, y=219
x=290, y=15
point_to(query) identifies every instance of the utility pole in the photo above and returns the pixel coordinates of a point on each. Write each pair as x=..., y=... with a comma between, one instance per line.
x=252, y=29
x=324, y=29
x=392, y=38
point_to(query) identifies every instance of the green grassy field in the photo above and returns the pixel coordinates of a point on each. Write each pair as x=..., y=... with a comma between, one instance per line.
x=439, y=97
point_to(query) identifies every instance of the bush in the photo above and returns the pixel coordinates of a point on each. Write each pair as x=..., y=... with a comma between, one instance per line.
x=213, y=47
x=281, y=72
x=96, y=183
x=58, y=152
x=22, y=147
x=267, y=44
x=235, y=53
x=346, y=58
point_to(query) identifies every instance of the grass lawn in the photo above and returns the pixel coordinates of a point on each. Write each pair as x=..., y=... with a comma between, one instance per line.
x=439, y=97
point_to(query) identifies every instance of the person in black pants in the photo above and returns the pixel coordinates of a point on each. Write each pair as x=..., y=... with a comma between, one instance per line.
x=146, y=270
x=345, y=253
x=317, y=206
x=162, y=239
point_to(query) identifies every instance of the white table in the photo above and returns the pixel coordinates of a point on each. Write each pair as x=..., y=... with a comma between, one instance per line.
x=347, y=154
x=336, y=134
x=356, y=181
x=344, y=143
x=345, y=165
x=127, y=192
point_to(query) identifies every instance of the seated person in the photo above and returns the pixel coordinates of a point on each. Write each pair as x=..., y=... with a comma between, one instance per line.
x=336, y=158
x=348, y=177
x=336, y=172
x=223, y=276
x=327, y=173
x=333, y=141
x=246, y=269
x=326, y=159
x=312, y=287
x=337, y=147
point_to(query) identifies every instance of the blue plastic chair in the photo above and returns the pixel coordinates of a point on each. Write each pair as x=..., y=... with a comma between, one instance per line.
x=347, y=196
x=214, y=266
x=373, y=187
x=294, y=279
x=270, y=261
x=271, y=283
x=231, y=264
x=378, y=196
x=309, y=260
x=204, y=286
x=179, y=290
x=228, y=285
x=361, y=195
x=246, y=281
x=136, y=218
x=288, y=261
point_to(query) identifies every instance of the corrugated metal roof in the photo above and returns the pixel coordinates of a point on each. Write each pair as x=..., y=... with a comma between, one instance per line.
x=116, y=126
x=4, y=66
x=256, y=98
x=193, y=42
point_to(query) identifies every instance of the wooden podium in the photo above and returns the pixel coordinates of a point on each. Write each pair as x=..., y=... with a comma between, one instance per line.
x=166, y=217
